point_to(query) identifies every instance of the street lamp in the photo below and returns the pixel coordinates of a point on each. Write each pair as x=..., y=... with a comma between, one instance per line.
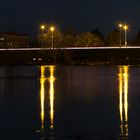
x=125, y=29
x=42, y=27
x=52, y=29
x=120, y=27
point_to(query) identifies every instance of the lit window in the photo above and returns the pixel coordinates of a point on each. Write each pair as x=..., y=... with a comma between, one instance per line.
x=2, y=39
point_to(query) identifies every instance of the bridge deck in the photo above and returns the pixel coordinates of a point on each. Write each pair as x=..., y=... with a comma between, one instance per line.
x=76, y=55
x=71, y=48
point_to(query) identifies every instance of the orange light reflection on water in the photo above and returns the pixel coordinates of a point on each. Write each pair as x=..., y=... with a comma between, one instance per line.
x=123, y=99
x=42, y=95
x=51, y=94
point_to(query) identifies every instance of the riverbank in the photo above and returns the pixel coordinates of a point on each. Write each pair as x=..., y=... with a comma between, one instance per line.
x=119, y=56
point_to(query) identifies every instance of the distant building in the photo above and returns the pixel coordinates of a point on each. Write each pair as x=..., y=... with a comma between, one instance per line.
x=13, y=40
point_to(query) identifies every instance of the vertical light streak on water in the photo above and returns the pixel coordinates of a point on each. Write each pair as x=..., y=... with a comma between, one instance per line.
x=42, y=96
x=120, y=93
x=126, y=98
x=123, y=99
x=126, y=92
x=51, y=94
x=43, y=71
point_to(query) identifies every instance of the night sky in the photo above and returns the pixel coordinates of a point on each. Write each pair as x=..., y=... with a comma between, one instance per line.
x=24, y=16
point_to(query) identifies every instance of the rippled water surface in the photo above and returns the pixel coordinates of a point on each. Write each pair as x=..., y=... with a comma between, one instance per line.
x=69, y=102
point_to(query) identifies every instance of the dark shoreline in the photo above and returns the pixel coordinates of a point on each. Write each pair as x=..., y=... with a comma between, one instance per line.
x=71, y=57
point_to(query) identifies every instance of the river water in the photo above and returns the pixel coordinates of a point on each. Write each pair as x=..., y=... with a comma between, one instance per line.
x=69, y=102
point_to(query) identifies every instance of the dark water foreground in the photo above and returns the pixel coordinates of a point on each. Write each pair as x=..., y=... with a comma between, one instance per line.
x=69, y=103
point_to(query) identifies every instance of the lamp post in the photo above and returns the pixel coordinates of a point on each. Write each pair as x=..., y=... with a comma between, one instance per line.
x=52, y=29
x=120, y=36
x=42, y=27
x=125, y=33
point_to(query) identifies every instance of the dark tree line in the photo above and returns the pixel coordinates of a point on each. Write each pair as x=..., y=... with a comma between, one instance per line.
x=71, y=38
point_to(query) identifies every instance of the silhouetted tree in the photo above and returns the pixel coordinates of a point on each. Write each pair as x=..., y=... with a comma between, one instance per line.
x=112, y=38
x=69, y=37
x=97, y=32
x=88, y=39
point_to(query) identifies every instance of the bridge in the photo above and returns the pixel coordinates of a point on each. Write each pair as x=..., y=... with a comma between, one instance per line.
x=69, y=48
x=74, y=55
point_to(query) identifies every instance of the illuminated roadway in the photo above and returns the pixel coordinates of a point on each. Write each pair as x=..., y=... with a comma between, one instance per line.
x=70, y=48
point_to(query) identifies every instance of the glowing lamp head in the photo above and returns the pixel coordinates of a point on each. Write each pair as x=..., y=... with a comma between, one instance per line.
x=42, y=27
x=120, y=25
x=52, y=28
x=125, y=27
